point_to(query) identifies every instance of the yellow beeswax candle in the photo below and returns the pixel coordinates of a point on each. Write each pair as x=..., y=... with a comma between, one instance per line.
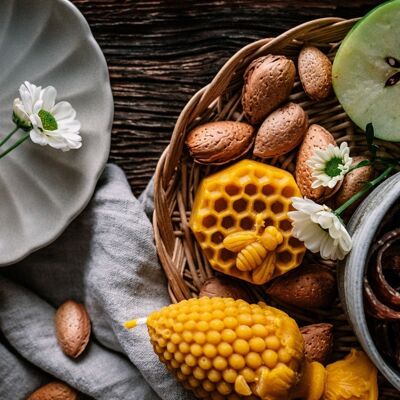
x=239, y=218
x=354, y=377
x=222, y=348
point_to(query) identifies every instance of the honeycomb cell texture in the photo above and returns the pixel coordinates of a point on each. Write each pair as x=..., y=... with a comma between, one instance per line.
x=252, y=198
x=221, y=348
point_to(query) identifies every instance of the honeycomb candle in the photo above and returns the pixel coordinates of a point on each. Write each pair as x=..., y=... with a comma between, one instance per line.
x=240, y=220
x=221, y=348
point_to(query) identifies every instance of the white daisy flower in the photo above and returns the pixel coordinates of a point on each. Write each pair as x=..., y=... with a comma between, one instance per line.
x=320, y=229
x=329, y=166
x=49, y=123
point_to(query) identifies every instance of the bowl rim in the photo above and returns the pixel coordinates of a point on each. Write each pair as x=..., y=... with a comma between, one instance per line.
x=351, y=272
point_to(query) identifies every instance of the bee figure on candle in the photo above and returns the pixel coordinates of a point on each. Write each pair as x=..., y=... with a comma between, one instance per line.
x=256, y=249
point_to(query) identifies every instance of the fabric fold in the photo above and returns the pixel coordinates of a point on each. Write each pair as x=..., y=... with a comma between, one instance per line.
x=105, y=259
x=17, y=376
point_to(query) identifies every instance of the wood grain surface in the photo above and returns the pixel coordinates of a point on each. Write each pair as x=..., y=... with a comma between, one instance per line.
x=160, y=53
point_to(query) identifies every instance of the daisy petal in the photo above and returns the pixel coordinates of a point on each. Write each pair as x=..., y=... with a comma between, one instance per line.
x=48, y=96
x=63, y=110
x=69, y=125
x=37, y=137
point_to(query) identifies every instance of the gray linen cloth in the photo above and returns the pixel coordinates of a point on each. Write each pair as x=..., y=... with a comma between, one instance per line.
x=105, y=259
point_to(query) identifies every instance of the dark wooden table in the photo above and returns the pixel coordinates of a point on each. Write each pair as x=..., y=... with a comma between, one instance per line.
x=160, y=53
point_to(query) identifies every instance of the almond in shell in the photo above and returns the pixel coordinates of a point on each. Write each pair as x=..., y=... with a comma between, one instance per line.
x=316, y=137
x=281, y=131
x=224, y=287
x=267, y=84
x=353, y=182
x=309, y=287
x=54, y=391
x=219, y=142
x=315, y=71
x=318, y=342
x=73, y=328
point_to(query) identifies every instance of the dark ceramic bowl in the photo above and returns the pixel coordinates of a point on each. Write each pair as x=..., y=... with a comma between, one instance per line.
x=363, y=226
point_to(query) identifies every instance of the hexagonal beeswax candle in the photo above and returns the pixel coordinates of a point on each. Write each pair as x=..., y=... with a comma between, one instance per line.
x=240, y=220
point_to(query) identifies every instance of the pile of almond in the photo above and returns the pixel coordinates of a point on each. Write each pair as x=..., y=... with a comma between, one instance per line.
x=276, y=126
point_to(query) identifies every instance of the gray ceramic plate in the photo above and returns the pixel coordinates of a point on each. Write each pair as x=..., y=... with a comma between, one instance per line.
x=48, y=42
x=363, y=226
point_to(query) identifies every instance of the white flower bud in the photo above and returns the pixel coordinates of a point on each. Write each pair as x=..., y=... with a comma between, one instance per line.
x=20, y=117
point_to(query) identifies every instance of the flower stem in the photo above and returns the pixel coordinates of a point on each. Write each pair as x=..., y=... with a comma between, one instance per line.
x=16, y=144
x=9, y=135
x=368, y=186
x=361, y=164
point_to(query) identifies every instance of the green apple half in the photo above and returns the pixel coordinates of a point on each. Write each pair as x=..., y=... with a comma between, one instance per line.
x=366, y=71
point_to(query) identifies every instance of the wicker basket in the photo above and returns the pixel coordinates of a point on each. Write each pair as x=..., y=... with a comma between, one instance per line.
x=177, y=177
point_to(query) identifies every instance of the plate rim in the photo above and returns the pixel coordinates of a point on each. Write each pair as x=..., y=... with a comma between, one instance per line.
x=87, y=193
